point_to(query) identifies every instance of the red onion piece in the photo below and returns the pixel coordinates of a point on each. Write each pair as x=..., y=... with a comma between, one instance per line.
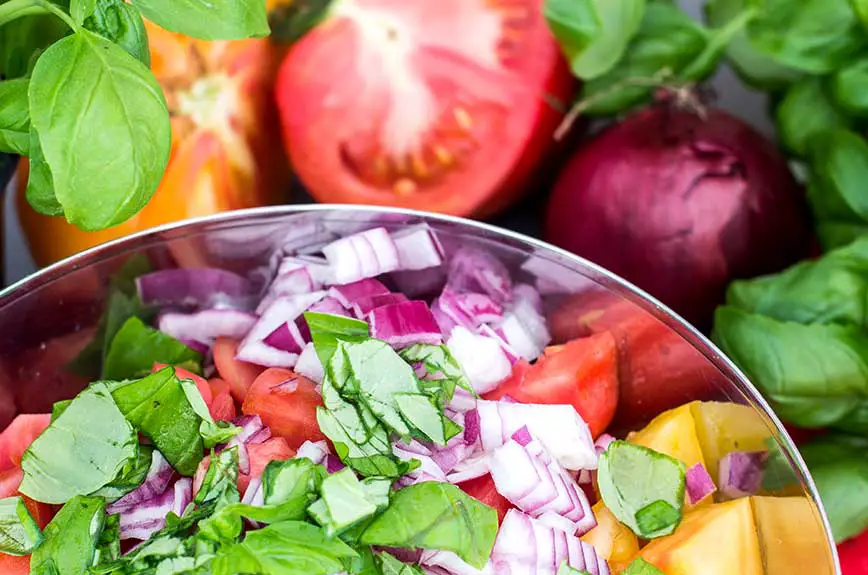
x=316, y=451
x=348, y=293
x=471, y=426
x=497, y=334
x=194, y=287
x=522, y=436
x=207, y=325
x=156, y=481
x=365, y=305
x=415, y=284
x=286, y=337
x=741, y=473
x=418, y=247
x=147, y=517
x=477, y=271
x=699, y=484
x=404, y=324
x=254, y=495
x=183, y=495
x=474, y=466
x=333, y=463
x=602, y=443
x=253, y=348
x=309, y=364
x=482, y=359
x=470, y=310
x=450, y=563
x=363, y=255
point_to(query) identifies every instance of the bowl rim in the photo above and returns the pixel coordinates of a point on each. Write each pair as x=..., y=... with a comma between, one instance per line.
x=617, y=284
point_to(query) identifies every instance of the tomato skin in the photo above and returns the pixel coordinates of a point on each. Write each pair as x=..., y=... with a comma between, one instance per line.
x=260, y=455
x=582, y=373
x=10, y=480
x=483, y=489
x=12, y=565
x=511, y=133
x=18, y=436
x=201, y=383
x=289, y=410
x=223, y=407
x=853, y=555
x=240, y=375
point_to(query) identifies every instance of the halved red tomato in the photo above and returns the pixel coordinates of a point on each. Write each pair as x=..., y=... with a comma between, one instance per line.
x=483, y=489
x=287, y=404
x=18, y=436
x=443, y=105
x=582, y=373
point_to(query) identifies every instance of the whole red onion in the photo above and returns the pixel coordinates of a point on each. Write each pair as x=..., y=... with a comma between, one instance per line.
x=681, y=205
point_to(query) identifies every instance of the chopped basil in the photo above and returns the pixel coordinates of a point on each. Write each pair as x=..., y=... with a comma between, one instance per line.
x=212, y=432
x=565, y=569
x=108, y=547
x=286, y=548
x=19, y=533
x=130, y=477
x=641, y=567
x=346, y=501
x=85, y=448
x=327, y=329
x=391, y=566
x=159, y=407
x=643, y=488
x=58, y=408
x=136, y=347
x=71, y=538
x=434, y=515
x=220, y=482
x=439, y=362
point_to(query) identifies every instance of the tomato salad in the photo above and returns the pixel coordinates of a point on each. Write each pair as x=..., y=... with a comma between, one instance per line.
x=346, y=427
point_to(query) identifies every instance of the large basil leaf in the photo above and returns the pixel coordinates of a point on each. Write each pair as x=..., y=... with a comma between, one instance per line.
x=19, y=533
x=209, y=20
x=40, y=184
x=117, y=21
x=135, y=349
x=594, y=33
x=833, y=289
x=813, y=375
x=23, y=42
x=860, y=7
x=14, y=117
x=753, y=66
x=434, y=515
x=850, y=87
x=85, y=448
x=103, y=127
x=815, y=36
x=70, y=538
x=805, y=112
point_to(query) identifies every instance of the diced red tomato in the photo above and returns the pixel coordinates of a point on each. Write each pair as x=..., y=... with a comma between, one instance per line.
x=240, y=375
x=260, y=455
x=483, y=489
x=223, y=406
x=199, y=476
x=287, y=404
x=853, y=555
x=201, y=383
x=42, y=512
x=18, y=436
x=10, y=479
x=218, y=386
x=582, y=373
x=11, y=565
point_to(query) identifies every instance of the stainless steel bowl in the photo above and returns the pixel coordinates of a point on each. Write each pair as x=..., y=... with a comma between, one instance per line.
x=48, y=318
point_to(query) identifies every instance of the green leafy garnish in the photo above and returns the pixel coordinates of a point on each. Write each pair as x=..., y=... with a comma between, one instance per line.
x=212, y=432
x=136, y=348
x=19, y=533
x=214, y=20
x=438, y=361
x=346, y=501
x=130, y=477
x=58, y=408
x=327, y=329
x=641, y=567
x=806, y=111
x=14, y=116
x=220, y=482
x=116, y=21
x=108, y=547
x=71, y=538
x=85, y=448
x=391, y=566
x=643, y=488
x=433, y=515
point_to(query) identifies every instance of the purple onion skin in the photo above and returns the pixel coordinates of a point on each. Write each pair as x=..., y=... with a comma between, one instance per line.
x=681, y=205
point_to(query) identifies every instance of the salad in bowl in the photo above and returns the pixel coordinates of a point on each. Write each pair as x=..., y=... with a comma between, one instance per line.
x=378, y=396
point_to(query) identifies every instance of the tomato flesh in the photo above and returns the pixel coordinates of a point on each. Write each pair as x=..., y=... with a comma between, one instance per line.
x=201, y=383
x=443, y=106
x=287, y=404
x=853, y=555
x=240, y=375
x=18, y=436
x=483, y=489
x=582, y=373
x=260, y=455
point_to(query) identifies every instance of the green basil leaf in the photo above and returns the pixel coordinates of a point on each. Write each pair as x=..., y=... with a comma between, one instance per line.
x=643, y=488
x=850, y=88
x=119, y=22
x=565, y=569
x=71, y=538
x=214, y=20
x=89, y=101
x=813, y=375
x=158, y=407
x=40, y=184
x=754, y=67
x=23, y=42
x=840, y=472
x=221, y=479
x=641, y=567
x=136, y=347
x=439, y=362
x=815, y=36
x=391, y=566
x=130, y=477
x=833, y=289
x=370, y=454
x=212, y=432
x=805, y=112
x=81, y=451
x=286, y=548
x=80, y=10
x=58, y=408
x=575, y=25
x=346, y=501
x=860, y=7
x=14, y=117
x=108, y=547
x=327, y=329
x=434, y=515
x=19, y=533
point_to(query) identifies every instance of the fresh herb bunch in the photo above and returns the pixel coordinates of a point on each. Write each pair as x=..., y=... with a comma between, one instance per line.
x=77, y=97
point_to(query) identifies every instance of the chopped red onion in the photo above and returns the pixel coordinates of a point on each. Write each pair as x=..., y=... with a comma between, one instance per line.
x=456, y=451
x=462, y=400
x=365, y=305
x=404, y=324
x=293, y=280
x=286, y=337
x=602, y=443
x=427, y=471
x=451, y=563
x=363, y=255
x=260, y=353
x=497, y=334
x=183, y=495
x=529, y=294
x=471, y=425
x=444, y=322
x=316, y=451
x=474, y=270
x=418, y=247
x=474, y=466
x=699, y=484
x=482, y=358
x=196, y=345
x=333, y=463
x=147, y=517
x=254, y=494
x=347, y=294
x=156, y=481
x=253, y=348
x=559, y=428
x=309, y=364
x=194, y=287
x=741, y=473
x=207, y=325
x=418, y=283
x=522, y=436
x=469, y=309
